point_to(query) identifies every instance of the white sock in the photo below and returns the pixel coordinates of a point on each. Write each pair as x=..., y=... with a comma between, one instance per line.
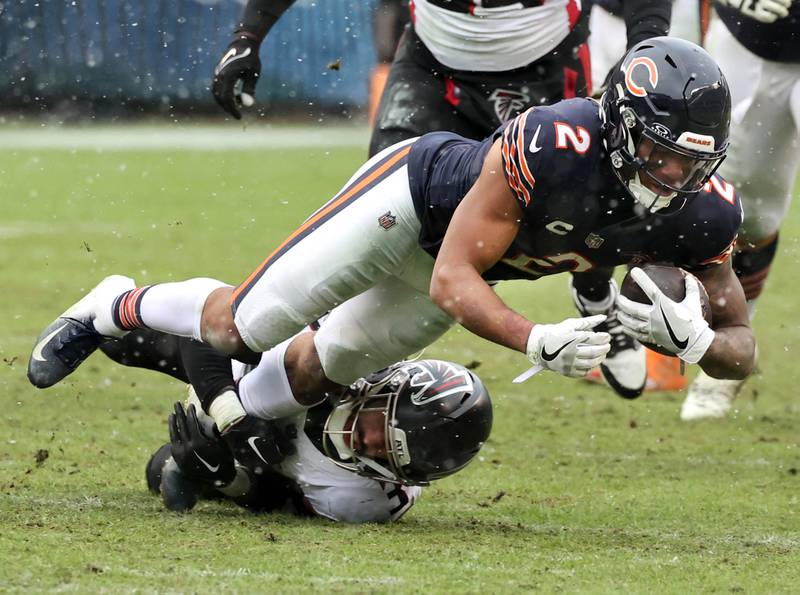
x=265, y=391
x=177, y=308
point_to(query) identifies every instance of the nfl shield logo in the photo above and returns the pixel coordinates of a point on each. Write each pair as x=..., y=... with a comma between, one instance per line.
x=594, y=241
x=387, y=220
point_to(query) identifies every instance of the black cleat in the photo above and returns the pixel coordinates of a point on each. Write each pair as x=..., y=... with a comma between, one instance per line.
x=60, y=349
x=152, y=472
x=72, y=337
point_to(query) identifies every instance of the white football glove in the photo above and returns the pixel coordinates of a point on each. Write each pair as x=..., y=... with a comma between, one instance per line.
x=766, y=11
x=678, y=327
x=570, y=347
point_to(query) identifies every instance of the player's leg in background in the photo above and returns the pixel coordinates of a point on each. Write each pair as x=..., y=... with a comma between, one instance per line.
x=418, y=98
x=150, y=350
x=388, y=22
x=762, y=164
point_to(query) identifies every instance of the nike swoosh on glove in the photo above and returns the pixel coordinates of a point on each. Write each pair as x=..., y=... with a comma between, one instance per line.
x=678, y=327
x=570, y=347
x=235, y=76
x=258, y=443
x=200, y=453
x=765, y=11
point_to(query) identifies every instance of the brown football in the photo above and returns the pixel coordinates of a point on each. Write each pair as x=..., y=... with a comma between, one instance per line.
x=670, y=280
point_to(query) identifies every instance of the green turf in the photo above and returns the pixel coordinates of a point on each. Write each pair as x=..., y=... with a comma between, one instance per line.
x=577, y=490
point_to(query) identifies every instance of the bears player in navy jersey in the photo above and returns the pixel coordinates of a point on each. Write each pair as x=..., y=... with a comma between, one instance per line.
x=757, y=45
x=413, y=242
x=466, y=67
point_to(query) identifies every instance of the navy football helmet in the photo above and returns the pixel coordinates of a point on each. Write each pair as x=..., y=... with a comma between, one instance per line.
x=666, y=115
x=437, y=417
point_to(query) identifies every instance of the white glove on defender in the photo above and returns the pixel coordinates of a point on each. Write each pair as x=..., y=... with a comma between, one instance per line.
x=766, y=11
x=570, y=347
x=678, y=327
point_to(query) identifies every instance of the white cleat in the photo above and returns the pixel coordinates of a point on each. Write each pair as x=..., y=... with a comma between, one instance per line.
x=625, y=367
x=709, y=398
x=72, y=337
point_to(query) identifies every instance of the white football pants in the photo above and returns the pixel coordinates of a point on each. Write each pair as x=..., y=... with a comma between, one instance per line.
x=359, y=258
x=765, y=143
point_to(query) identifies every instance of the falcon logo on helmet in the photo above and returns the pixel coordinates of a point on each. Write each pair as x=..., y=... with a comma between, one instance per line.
x=438, y=379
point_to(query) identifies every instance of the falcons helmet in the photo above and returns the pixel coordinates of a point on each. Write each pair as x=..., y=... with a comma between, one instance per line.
x=437, y=417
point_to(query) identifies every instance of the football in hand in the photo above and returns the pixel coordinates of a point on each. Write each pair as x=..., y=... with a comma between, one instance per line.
x=671, y=281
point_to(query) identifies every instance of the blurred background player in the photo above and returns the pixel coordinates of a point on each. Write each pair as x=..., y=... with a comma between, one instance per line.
x=466, y=67
x=360, y=456
x=607, y=26
x=461, y=66
x=388, y=24
x=757, y=45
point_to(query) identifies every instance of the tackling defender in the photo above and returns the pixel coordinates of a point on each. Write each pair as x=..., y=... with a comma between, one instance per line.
x=413, y=242
x=360, y=456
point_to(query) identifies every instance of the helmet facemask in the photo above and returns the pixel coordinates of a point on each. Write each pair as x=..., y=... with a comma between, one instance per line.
x=655, y=169
x=342, y=425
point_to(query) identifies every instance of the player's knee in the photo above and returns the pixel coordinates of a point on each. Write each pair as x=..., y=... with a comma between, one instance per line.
x=217, y=325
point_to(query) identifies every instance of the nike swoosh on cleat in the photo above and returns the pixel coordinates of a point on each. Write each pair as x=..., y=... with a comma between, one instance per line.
x=252, y=442
x=37, y=351
x=680, y=344
x=533, y=147
x=210, y=467
x=551, y=356
x=230, y=57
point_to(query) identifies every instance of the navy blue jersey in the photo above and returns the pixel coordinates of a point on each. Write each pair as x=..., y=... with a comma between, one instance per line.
x=778, y=41
x=575, y=214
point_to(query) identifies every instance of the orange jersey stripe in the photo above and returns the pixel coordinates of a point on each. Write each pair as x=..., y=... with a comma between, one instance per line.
x=347, y=194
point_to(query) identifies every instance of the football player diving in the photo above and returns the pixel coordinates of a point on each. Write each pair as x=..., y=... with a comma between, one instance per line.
x=361, y=455
x=416, y=239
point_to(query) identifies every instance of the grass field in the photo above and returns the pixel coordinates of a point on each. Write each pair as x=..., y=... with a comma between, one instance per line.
x=577, y=490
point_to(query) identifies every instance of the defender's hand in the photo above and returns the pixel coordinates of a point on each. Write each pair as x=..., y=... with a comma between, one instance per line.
x=570, y=347
x=679, y=327
x=235, y=76
x=258, y=443
x=765, y=11
x=198, y=451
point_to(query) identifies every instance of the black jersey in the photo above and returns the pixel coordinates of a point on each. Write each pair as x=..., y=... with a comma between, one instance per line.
x=575, y=214
x=778, y=41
